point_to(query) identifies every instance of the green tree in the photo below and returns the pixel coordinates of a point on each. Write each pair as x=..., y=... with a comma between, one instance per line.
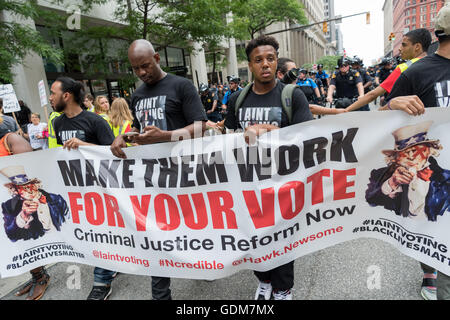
x=329, y=62
x=253, y=16
x=17, y=39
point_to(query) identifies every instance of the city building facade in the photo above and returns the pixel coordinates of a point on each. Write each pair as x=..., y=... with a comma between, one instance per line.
x=388, y=14
x=413, y=14
x=330, y=35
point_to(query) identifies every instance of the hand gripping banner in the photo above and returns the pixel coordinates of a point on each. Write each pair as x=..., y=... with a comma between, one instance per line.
x=207, y=208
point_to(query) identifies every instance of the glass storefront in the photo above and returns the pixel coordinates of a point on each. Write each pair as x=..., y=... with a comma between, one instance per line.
x=83, y=67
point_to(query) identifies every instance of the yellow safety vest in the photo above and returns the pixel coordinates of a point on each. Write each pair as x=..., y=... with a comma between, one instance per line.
x=52, y=142
x=121, y=129
x=407, y=64
x=106, y=118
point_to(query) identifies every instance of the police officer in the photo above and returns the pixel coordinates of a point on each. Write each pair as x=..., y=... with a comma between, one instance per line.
x=357, y=65
x=209, y=99
x=318, y=82
x=308, y=86
x=233, y=87
x=386, y=68
x=347, y=83
x=323, y=76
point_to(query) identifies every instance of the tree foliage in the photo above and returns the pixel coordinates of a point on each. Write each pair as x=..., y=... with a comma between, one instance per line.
x=253, y=16
x=329, y=62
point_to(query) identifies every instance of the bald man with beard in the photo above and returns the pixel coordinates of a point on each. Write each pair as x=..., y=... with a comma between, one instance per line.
x=166, y=108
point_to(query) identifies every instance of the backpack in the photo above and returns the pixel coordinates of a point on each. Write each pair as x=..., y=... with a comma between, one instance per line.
x=286, y=99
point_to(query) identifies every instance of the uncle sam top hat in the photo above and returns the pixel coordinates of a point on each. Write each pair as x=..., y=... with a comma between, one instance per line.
x=410, y=136
x=17, y=175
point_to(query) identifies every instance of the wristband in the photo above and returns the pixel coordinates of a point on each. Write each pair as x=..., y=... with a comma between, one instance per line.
x=389, y=105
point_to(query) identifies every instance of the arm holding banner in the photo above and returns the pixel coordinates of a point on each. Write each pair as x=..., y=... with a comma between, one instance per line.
x=409, y=104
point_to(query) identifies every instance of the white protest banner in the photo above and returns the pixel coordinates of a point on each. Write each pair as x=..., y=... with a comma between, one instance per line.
x=209, y=207
x=10, y=103
x=42, y=93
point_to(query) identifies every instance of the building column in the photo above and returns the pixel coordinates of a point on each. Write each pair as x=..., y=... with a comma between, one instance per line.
x=198, y=65
x=232, y=65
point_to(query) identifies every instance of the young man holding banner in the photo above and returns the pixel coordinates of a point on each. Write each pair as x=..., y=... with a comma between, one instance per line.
x=424, y=85
x=264, y=93
x=165, y=109
x=78, y=127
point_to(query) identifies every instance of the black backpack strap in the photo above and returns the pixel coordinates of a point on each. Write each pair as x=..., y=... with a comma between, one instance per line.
x=241, y=97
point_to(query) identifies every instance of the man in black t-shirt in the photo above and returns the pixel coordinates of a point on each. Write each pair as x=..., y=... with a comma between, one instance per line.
x=78, y=127
x=426, y=84
x=165, y=107
x=262, y=111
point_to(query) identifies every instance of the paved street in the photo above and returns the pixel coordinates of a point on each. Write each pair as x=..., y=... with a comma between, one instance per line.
x=339, y=273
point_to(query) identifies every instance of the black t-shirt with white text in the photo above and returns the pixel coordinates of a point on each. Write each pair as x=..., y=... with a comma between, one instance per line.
x=171, y=103
x=267, y=109
x=429, y=79
x=87, y=126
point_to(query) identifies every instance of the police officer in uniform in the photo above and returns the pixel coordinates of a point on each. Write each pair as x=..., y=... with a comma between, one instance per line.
x=210, y=99
x=386, y=68
x=318, y=82
x=384, y=72
x=308, y=86
x=357, y=65
x=233, y=82
x=323, y=76
x=347, y=83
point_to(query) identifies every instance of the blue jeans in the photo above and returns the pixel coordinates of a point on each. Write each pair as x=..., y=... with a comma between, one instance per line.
x=160, y=285
x=103, y=276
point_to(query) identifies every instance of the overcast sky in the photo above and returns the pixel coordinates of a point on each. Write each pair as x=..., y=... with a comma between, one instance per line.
x=365, y=41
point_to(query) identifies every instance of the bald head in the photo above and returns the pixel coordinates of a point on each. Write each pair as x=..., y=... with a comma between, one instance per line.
x=145, y=61
x=141, y=47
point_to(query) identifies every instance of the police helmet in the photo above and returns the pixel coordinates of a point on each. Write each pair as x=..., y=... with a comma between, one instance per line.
x=320, y=66
x=202, y=88
x=344, y=61
x=234, y=79
x=357, y=61
x=385, y=61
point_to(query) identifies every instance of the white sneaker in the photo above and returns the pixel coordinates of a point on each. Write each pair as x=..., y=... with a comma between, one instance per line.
x=428, y=293
x=264, y=291
x=282, y=295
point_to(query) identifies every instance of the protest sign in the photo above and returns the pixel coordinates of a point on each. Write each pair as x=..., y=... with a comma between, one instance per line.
x=10, y=103
x=207, y=208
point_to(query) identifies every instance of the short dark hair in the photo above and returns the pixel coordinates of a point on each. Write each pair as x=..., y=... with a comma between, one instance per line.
x=74, y=87
x=443, y=39
x=422, y=36
x=282, y=64
x=261, y=41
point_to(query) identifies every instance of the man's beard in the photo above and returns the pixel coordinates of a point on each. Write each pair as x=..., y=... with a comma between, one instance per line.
x=60, y=106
